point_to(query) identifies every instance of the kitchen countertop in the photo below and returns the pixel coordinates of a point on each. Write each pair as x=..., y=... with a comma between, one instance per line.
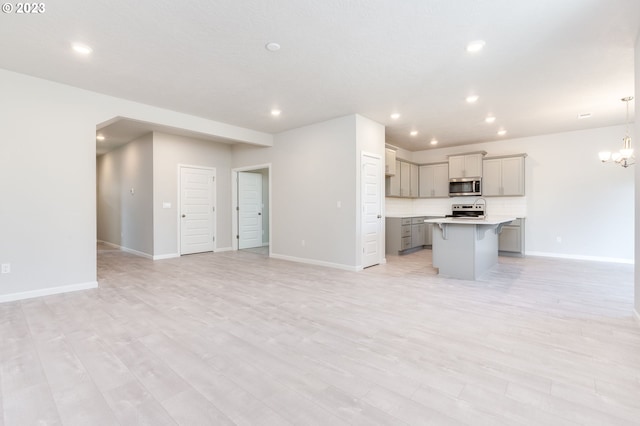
x=489, y=220
x=414, y=215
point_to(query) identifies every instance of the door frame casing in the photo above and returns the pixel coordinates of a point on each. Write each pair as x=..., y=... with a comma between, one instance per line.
x=234, y=202
x=214, y=215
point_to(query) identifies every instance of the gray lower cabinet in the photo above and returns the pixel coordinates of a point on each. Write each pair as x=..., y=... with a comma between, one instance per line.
x=428, y=233
x=405, y=234
x=417, y=232
x=511, y=239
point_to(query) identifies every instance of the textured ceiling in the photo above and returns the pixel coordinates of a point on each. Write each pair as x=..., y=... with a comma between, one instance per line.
x=545, y=61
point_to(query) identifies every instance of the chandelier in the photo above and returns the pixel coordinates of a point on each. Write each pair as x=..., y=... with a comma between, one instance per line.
x=625, y=156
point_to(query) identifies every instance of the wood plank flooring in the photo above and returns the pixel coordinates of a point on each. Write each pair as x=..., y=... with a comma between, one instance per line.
x=238, y=338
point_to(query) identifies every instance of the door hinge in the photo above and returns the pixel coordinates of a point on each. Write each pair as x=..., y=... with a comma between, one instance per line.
x=213, y=209
x=214, y=178
x=237, y=237
x=237, y=209
x=214, y=238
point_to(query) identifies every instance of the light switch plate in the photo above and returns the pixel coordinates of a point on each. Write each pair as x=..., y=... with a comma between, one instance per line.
x=6, y=268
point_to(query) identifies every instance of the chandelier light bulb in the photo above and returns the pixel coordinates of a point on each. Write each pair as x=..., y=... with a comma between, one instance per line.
x=604, y=156
x=625, y=156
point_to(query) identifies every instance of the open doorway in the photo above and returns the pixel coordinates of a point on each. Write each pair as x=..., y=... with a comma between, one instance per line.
x=252, y=209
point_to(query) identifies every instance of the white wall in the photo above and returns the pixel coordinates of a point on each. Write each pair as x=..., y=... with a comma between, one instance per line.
x=48, y=178
x=126, y=219
x=569, y=193
x=168, y=152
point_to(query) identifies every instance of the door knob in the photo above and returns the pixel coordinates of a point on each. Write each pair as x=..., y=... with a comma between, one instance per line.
x=259, y=213
x=379, y=216
x=184, y=215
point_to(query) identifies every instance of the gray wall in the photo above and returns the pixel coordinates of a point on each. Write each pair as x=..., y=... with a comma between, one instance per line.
x=48, y=178
x=168, y=152
x=126, y=219
x=47, y=182
x=313, y=169
x=637, y=180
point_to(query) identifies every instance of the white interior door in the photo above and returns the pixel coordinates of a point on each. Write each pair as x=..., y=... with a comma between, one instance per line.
x=371, y=211
x=197, y=209
x=249, y=210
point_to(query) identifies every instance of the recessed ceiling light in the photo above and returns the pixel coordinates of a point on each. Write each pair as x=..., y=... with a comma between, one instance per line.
x=584, y=115
x=414, y=133
x=434, y=142
x=82, y=49
x=475, y=46
x=472, y=98
x=272, y=47
x=395, y=115
x=502, y=132
x=100, y=137
x=276, y=112
x=490, y=119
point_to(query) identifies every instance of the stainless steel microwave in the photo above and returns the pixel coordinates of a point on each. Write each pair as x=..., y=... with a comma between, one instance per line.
x=465, y=186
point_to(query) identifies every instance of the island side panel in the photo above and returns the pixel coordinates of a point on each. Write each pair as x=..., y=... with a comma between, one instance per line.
x=486, y=249
x=455, y=256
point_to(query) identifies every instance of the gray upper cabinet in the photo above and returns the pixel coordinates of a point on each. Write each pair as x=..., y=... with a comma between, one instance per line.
x=404, y=183
x=468, y=165
x=405, y=179
x=413, y=181
x=389, y=162
x=434, y=180
x=392, y=183
x=503, y=176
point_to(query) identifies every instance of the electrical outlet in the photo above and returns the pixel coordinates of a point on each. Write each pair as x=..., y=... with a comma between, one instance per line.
x=6, y=268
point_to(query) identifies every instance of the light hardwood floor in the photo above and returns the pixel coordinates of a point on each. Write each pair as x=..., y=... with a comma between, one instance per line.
x=238, y=338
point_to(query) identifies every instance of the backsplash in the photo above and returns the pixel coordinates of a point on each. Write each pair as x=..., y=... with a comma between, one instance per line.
x=497, y=206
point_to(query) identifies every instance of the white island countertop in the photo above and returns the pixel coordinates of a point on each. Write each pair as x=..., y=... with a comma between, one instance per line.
x=489, y=220
x=403, y=216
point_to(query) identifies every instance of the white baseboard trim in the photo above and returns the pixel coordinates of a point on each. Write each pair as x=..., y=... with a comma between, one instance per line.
x=107, y=243
x=580, y=257
x=315, y=262
x=265, y=244
x=128, y=250
x=637, y=316
x=136, y=252
x=12, y=297
x=221, y=249
x=166, y=256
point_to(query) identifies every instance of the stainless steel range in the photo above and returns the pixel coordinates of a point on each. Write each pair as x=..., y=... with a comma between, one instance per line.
x=468, y=211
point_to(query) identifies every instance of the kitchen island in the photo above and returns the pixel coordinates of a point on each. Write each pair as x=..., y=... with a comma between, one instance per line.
x=466, y=248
